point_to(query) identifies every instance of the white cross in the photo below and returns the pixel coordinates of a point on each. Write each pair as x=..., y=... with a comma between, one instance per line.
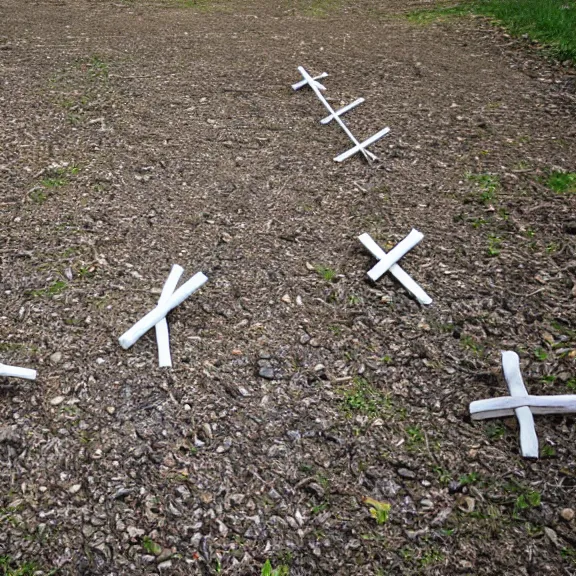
x=387, y=262
x=168, y=300
x=15, y=372
x=522, y=405
x=335, y=115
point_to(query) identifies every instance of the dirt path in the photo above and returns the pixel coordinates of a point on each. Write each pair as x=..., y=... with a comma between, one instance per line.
x=136, y=136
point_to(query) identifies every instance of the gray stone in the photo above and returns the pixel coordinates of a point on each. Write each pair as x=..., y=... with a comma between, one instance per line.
x=405, y=473
x=266, y=372
x=294, y=435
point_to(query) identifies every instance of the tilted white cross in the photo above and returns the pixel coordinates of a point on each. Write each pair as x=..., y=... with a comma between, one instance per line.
x=387, y=262
x=335, y=115
x=15, y=372
x=169, y=299
x=522, y=405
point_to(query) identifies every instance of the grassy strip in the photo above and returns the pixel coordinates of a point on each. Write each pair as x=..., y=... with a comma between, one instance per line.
x=551, y=22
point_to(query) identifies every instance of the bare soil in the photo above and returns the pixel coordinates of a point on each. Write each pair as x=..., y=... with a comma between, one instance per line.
x=138, y=135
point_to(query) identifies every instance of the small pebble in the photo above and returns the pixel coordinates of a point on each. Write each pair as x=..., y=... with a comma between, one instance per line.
x=225, y=446
x=405, y=473
x=75, y=488
x=266, y=372
x=57, y=400
x=567, y=514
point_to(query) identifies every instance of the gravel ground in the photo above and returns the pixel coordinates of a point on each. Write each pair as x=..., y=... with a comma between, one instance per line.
x=137, y=135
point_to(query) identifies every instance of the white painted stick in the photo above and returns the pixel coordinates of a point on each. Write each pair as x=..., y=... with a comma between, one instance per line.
x=528, y=437
x=360, y=147
x=320, y=96
x=154, y=316
x=162, y=335
x=506, y=405
x=403, y=277
x=15, y=372
x=341, y=111
x=395, y=254
x=304, y=82
x=515, y=383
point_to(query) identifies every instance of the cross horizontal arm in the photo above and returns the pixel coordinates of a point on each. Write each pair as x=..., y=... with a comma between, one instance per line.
x=15, y=372
x=403, y=277
x=395, y=254
x=341, y=111
x=360, y=147
x=154, y=316
x=505, y=405
x=304, y=82
x=162, y=334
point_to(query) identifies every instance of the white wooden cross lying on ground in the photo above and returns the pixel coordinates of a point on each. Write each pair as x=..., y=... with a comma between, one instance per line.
x=387, y=262
x=522, y=405
x=15, y=372
x=335, y=115
x=169, y=299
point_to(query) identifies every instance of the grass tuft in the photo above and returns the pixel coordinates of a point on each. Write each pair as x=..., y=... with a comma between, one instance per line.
x=563, y=182
x=552, y=22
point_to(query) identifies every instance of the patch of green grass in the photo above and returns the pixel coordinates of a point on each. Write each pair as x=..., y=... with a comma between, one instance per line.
x=267, y=570
x=487, y=186
x=354, y=300
x=97, y=67
x=495, y=431
x=563, y=182
x=569, y=554
x=431, y=556
x=380, y=511
x=494, y=245
x=55, y=178
x=55, y=288
x=151, y=547
x=326, y=273
x=571, y=384
x=477, y=222
x=317, y=8
x=470, y=478
x=38, y=195
x=10, y=568
x=444, y=475
x=426, y=17
x=470, y=343
x=540, y=354
x=415, y=437
x=362, y=398
x=551, y=22
x=53, y=182
x=525, y=497
x=526, y=500
x=548, y=451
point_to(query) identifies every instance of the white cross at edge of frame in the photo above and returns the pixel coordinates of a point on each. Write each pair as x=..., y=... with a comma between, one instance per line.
x=522, y=405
